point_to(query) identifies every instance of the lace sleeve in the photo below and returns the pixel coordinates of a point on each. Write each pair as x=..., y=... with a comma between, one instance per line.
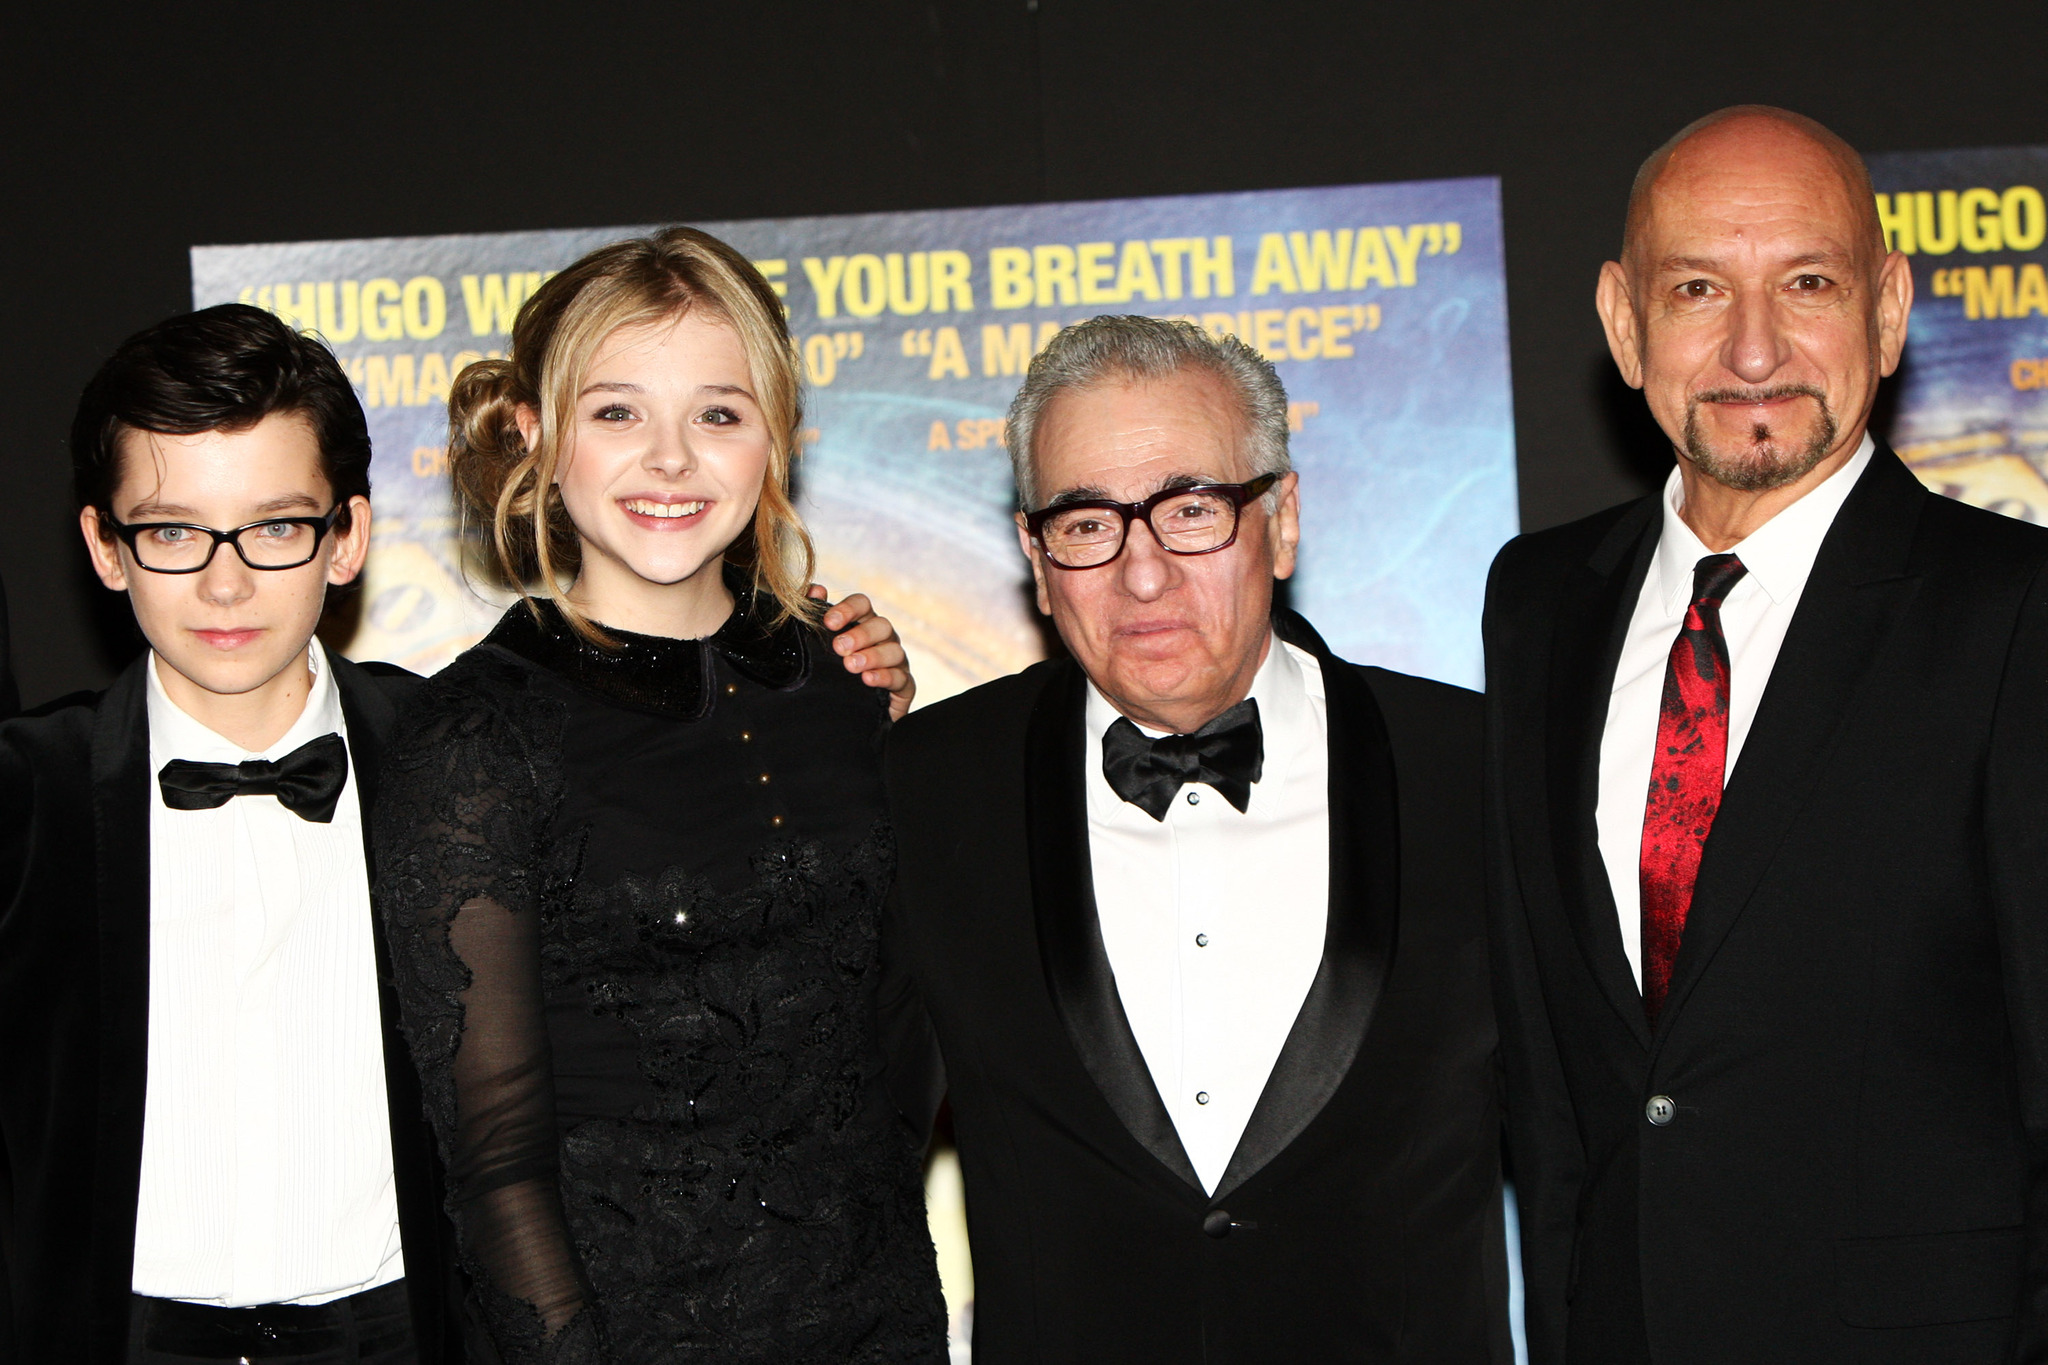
x=458, y=831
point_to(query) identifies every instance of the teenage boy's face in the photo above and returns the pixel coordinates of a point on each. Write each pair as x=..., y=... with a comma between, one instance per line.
x=228, y=629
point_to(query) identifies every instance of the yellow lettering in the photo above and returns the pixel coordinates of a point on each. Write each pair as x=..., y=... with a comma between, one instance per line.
x=1135, y=278
x=949, y=358
x=825, y=276
x=773, y=271
x=1092, y=264
x=1322, y=262
x=1005, y=350
x=1267, y=339
x=1301, y=345
x=1046, y=332
x=1979, y=232
x=304, y=313
x=1336, y=326
x=950, y=289
x=383, y=319
x=1370, y=263
x=1406, y=246
x=1219, y=325
x=909, y=291
x=938, y=438
x=432, y=386
x=1897, y=223
x=2021, y=214
x=1937, y=234
x=1172, y=251
x=2033, y=293
x=865, y=290
x=1988, y=294
x=388, y=380
x=1054, y=267
x=1211, y=266
x=1274, y=268
x=426, y=307
x=492, y=302
x=1009, y=277
x=344, y=327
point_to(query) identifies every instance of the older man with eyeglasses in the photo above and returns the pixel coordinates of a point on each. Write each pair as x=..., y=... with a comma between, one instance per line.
x=1188, y=926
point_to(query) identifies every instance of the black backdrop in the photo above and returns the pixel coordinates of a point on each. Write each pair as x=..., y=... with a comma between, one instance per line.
x=132, y=133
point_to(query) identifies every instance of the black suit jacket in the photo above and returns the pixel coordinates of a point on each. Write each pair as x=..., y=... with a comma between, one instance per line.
x=74, y=1017
x=1360, y=1217
x=1857, y=1021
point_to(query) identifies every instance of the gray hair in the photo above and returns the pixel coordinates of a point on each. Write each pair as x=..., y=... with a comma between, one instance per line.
x=1131, y=347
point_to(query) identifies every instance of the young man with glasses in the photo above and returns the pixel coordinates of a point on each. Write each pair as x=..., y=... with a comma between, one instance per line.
x=1188, y=926
x=212, y=1145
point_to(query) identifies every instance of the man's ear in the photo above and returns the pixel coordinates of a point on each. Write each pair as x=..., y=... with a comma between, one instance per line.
x=1617, y=309
x=1285, y=526
x=1032, y=553
x=1894, y=308
x=104, y=550
x=351, y=547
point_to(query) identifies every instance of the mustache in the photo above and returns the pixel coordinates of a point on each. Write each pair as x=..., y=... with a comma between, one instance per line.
x=1765, y=395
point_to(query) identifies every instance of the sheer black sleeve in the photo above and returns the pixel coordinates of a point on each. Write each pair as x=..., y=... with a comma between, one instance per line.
x=459, y=825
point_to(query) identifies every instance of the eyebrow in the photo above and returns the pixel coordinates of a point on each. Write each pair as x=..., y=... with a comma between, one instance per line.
x=284, y=502
x=621, y=386
x=1094, y=493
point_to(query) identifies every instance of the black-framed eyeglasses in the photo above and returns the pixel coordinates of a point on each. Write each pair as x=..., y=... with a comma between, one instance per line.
x=1195, y=519
x=179, y=547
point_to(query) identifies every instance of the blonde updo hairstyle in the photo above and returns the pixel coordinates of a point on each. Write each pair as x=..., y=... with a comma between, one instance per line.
x=510, y=507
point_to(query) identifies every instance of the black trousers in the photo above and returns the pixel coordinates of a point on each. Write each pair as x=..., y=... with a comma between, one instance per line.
x=370, y=1328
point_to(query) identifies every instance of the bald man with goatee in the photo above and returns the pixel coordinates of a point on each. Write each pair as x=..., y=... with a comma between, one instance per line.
x=1768, y=784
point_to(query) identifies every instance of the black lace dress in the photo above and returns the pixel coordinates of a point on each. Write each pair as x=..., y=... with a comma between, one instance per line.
x=632, y=899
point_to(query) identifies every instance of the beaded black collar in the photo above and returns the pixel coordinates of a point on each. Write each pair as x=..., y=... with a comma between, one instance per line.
x=674, y=678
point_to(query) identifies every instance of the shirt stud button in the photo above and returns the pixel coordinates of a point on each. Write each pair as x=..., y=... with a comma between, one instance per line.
x=731, y=688
x=776, y=821
x=746, y=736
x=1194, y=798
x=1201, y=1097
x=1660, y=1110
x=1201, y=940
x=764, y=779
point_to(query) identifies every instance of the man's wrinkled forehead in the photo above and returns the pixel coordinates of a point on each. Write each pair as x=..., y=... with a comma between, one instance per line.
x=1130, y=437
x=1753, y=171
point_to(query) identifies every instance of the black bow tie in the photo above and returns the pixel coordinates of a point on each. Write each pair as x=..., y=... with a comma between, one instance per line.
x=1227, y=753
x=307, y=781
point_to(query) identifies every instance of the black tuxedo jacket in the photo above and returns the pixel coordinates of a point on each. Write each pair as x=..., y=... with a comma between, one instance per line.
x=1360, y=1216
x=1857, y=1022
x=74, y=1020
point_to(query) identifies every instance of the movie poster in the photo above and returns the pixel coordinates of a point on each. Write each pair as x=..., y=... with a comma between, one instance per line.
x=1970, y=402
x=1384, y=307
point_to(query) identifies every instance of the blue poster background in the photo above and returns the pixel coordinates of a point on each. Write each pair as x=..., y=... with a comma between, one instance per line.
x=1971, y=396
x=1384, y=307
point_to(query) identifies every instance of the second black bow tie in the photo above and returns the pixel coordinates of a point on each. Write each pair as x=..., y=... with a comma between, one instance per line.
x=1228, y=753
x=307, y=781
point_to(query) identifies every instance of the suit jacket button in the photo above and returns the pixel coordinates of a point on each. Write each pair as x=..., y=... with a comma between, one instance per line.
x=1217, y=1223
x=1660, y=1110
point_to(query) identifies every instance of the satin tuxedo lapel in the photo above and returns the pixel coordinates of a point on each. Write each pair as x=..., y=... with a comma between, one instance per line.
x=1364, y=917
x=121, y=806
x=1853, y=597
x=1077, y=970
x=1594, y=607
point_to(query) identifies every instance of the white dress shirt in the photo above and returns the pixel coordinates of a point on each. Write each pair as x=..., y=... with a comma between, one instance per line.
x=266, y=1142
x=1779, y=556
x=1214, y=919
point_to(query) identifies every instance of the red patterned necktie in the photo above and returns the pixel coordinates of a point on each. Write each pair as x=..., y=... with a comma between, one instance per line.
x=1686, y=774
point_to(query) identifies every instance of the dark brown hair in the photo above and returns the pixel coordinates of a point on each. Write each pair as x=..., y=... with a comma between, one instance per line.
x=224, y=368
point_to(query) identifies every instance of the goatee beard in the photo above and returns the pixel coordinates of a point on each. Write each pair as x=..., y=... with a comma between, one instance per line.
x=1765, y=464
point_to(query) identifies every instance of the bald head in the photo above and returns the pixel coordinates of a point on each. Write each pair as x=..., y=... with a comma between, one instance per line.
x=1728, y=141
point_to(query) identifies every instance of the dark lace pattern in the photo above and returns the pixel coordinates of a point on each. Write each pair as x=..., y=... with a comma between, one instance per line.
x=750, y=1197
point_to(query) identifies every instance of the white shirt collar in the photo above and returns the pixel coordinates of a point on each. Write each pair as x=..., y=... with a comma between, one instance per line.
x=1778, y=555
x=173, y=733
